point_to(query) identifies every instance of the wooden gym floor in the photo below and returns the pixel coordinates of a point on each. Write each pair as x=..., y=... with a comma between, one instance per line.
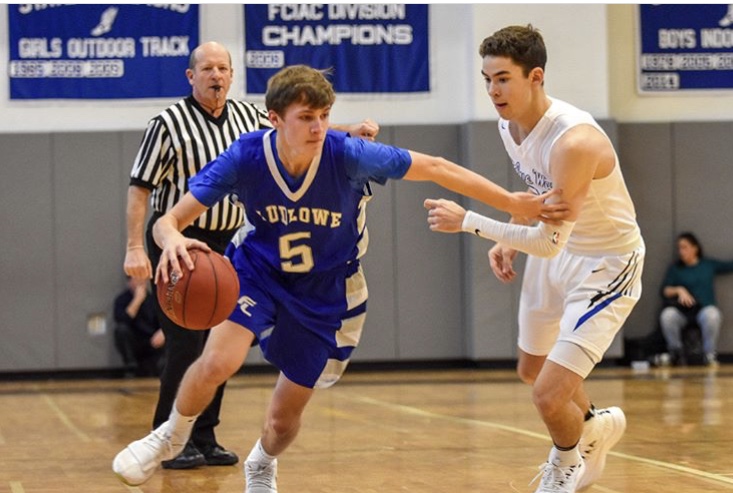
x=379, y=432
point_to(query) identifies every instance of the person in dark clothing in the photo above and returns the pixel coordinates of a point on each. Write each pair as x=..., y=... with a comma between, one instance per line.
x=138, y=336
x=689, y=297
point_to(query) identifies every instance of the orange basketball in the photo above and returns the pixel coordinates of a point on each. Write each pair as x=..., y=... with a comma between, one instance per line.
x=203, y=297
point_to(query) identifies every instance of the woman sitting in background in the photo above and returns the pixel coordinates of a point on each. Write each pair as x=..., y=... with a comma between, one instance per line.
x=689, y=295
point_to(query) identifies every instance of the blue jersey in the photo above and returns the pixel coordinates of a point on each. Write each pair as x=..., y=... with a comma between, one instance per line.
x=312, y=224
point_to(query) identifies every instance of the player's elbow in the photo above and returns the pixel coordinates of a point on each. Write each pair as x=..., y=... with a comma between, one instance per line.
x=552, y=239
x=549, y=250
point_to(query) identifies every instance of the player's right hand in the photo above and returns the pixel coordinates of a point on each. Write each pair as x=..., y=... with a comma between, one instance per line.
x=176, y=247
x=444, y=215
x=501, y=260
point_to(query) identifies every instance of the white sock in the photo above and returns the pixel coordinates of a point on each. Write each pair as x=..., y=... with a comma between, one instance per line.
x=565, y=458
x=179, y=426
x=258, y=454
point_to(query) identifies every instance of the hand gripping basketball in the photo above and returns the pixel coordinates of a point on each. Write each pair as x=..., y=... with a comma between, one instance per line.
x=203, y=297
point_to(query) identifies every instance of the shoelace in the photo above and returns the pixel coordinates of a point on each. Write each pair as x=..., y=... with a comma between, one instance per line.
x=157, y=442
x=588, y=450
x=261, y=475
x=553, y=476
x=161, y=444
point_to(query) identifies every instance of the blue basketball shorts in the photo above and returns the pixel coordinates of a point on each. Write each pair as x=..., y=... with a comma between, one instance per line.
x=307, y=325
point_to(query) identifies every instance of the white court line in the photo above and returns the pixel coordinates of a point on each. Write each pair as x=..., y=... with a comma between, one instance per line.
x=519, y=431
x=598, y=487
x=65, y=419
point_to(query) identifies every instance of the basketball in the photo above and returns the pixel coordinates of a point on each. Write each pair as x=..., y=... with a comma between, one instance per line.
x=203, y=297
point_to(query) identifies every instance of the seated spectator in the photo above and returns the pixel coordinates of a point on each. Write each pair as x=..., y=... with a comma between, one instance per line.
x=689, y=296
x=138, y=336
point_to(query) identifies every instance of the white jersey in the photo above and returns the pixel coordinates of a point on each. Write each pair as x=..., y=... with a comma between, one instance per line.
x=607, y=221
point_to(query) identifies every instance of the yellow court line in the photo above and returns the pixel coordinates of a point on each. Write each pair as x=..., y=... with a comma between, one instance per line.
x=65, y=419
x=519, y=431
x=16, y=487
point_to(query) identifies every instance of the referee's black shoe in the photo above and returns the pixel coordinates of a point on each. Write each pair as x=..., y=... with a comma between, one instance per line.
x=188, y=459
x=216, y=455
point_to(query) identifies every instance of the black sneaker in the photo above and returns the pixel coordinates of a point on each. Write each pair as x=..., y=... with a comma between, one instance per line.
x=678, y=357
x=216, y=455
x=188, y=459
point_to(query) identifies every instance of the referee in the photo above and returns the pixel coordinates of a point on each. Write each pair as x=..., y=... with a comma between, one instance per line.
x=177, y=144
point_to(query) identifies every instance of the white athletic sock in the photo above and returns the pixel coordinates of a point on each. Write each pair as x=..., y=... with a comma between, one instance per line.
x=565, y=458
x=180, y=426
x=258, y=454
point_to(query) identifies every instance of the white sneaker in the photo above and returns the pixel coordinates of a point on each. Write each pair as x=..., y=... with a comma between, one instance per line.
x=711, y=360
x=139, y=460
x=602, y=432
x=556, y=479
x=261, y=478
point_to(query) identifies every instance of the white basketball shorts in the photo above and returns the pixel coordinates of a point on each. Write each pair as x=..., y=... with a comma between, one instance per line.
x=578, y=299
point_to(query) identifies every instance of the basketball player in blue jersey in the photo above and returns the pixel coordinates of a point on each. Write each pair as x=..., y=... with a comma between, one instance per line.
x=582, y=277
x=302, y=292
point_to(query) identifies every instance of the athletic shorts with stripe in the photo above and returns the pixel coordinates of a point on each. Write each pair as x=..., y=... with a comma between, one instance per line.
x=579, y=299
x=307, y=325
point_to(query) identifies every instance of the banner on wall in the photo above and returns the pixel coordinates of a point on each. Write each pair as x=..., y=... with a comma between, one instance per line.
x=100, y=51
x=685, y=47
x=371, y=48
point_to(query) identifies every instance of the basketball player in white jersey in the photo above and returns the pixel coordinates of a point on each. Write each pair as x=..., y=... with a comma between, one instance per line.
x=583, y=277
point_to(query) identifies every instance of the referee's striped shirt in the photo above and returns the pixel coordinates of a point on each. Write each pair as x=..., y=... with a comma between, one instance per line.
x=180, y=141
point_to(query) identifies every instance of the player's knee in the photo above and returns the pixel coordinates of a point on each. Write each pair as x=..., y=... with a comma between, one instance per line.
x=283, y=423
x=546, y=404
x=216, y=368
x=526, y=374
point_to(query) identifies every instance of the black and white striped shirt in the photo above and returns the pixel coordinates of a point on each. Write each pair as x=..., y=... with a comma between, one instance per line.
x=180, y=141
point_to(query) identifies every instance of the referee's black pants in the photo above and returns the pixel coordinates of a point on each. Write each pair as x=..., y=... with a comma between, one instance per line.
x=184, y=346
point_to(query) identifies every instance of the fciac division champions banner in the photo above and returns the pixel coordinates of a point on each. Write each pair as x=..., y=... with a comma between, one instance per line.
x=97, y=51
x=371, y=48
x=686, y=47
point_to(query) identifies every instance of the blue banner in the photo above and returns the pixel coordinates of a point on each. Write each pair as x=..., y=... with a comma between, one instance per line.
x=685, y=47
x=372, y=48
x=100, y=51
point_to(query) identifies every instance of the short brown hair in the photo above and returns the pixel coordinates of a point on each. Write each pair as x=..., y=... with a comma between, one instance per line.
x=523, y=44
x=299, y=84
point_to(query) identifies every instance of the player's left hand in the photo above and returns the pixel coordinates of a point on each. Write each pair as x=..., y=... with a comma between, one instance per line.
x=444, y=215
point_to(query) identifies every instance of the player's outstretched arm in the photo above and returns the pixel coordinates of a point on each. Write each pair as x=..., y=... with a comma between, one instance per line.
x=167, y=234
x=466, y=182
x=544, y=240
